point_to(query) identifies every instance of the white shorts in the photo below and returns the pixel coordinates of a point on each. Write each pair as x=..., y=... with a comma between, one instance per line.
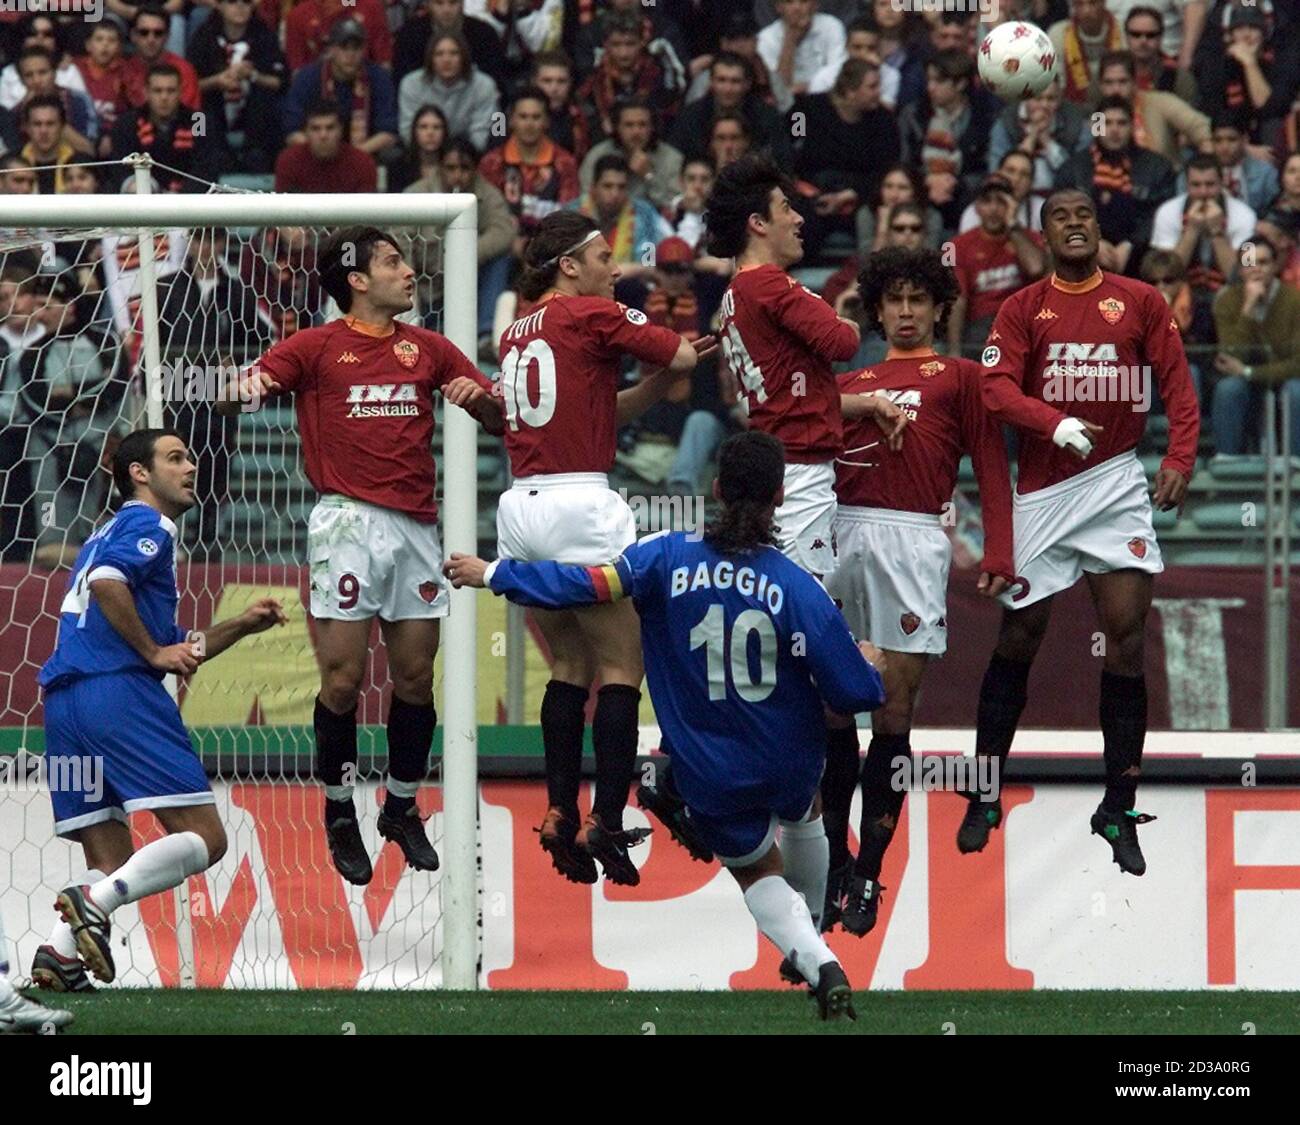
x=1096, y=522
x=805, y=522
x=367, y=561
x=568, y=517
x=891, y=578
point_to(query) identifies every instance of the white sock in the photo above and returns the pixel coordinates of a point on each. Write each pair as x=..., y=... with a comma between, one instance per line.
x=807, y=856
x=156, y=867
x=64, y=944
x=781, y=915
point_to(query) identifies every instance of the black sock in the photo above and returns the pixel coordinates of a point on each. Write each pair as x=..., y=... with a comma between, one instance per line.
x=883, y=793
x=410, y=740
x=1002, y=699
x=614, y=737
x=336, y=751
x=1123, y=714
x=843, y=764
x=563, y=717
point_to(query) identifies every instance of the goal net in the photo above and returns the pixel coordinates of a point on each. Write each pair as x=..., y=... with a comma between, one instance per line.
x=110, y=321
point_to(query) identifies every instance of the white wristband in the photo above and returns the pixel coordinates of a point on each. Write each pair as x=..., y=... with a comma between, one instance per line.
x=491, y=570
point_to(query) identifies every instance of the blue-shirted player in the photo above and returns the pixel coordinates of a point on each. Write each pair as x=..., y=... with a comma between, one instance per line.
x=741, y=648
x=106, y=706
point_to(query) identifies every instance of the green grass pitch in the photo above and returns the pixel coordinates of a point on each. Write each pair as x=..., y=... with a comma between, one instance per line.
x=173, y=1012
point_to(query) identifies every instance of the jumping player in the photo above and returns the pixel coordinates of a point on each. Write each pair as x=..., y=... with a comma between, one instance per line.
x=891, y=577
x=560, y=376
x=1091, y=342
x=363, y=388
x=741, y=647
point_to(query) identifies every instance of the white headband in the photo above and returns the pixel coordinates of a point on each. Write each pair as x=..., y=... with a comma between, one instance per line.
x=572, y=249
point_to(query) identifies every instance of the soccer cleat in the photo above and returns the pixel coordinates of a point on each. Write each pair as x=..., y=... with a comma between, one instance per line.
x=860, y=905
x=610, y=848
x=834, y=996
x=980, y=819
x=91, y=928
x=18, y=1014
x=832, y=909
x=558, y=835
x=1119, y=830
x=54, y=973
x=407, y=832
x=670, y=811
x=348, y=852
x=789, y=972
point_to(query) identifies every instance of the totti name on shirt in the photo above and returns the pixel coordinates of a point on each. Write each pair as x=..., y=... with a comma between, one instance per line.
x=382, y=400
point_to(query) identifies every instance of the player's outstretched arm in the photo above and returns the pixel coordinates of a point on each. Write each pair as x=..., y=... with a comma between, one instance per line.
x=888, y=417
x=257, y=618
x=544, y=585
x=118, y=606
x=846, y=679
x=1166, y=355
x=247, y=392
x=478, y=401
x=635, y=401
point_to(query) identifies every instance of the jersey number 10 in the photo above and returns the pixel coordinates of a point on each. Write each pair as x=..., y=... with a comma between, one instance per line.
x=514, y=384
x=742, y=364
x=710, y=634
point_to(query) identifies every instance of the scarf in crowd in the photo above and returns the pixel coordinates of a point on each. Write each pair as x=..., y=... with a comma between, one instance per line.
x=1203, y=271
x=359, y=128
x=1110, y=176
x=940, y=151
x=63, y=154
x=1078, y=77
x=236, y=52
x=605, y=87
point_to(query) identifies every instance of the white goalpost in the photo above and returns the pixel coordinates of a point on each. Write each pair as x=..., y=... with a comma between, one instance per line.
x=30, y=222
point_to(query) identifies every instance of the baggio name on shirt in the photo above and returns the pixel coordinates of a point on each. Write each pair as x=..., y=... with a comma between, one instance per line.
x=88, y=1079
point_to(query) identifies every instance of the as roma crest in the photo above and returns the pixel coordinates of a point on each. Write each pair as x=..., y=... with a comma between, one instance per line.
x=930, y=369
x=910, y=623
x=429, y=591
x=408, y=354
x=1111, y=310
x=1138, y=547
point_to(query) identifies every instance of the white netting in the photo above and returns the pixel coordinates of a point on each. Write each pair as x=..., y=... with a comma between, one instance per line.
x=272, y=913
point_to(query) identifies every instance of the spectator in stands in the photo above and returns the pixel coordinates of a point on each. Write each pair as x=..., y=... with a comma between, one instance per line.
x=485, y=46
x=992, y=261
x=739, y=36
x=535, y=174
x=945, y=133
x=497, y=229
x=1282, y=229
x=149, y=31
x=632, y=227
x=951, y=31
x=1245, y=177
x=365, y=93
x=81, y=177
x=685, y=213
x=900, y=184
x=1127, y=182
x=323, y=160
x=19, y=330
x=103, y=70
x=423, y=151
x=655, y=165
x=1154, y=69
x=901, y=47
x=662, y=38
x=1080, y=43
x=1046, y=128
x=39, y=30
x=802, y=47
x=242, y=76
x=1165, y=270
x=309, y=30
x=1160, y=120
x=1253, y=73
x=552, y=73
x=1288, y=194
x=1258, y=321
x=44, y=123
x=729, y=139
x=17, y=176
x=1205, y=227
x=731, y=89
x=164, y=129
x=36, y=72
x=1018, y=169
x=450, y=80
x=627, y=69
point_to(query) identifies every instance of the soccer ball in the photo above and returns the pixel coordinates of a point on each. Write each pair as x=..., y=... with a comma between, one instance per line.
x=1017, y=60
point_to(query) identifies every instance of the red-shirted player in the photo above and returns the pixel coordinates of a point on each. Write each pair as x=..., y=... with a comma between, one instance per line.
x=891, y=576
x=1069, y=363
x=559, y=379
x=363, y=390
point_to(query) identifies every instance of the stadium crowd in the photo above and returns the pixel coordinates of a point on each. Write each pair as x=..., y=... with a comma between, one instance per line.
x=1180, y=116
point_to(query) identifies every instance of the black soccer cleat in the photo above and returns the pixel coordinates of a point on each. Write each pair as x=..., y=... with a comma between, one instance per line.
x=1119, y=830
x=348, y=852
x=861, y=903
x=670, y=811
x=407, y=832
x=558, y=835
x=980, y=819
x=837, y=879
x=610, y=848
x=834, y=996
x=91, y=928
x=54, y=973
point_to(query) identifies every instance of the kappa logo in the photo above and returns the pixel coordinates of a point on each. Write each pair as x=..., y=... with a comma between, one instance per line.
x=994, y=335
x=942, y=622
x=1173, y=324
x=408, y=354
x=348, y=357
x=1046, y=314
x=429, y=591
x=1111, y=309
x=818, y=545
x=1138, y=547
x=910, y=623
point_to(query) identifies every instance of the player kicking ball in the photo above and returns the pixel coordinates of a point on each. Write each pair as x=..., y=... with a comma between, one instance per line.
x=891, y=577
x=1089, y=341
x=741, y=648
x=363, y=389
x=107, y=709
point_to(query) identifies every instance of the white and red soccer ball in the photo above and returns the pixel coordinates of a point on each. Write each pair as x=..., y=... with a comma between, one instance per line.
x=1017, y=60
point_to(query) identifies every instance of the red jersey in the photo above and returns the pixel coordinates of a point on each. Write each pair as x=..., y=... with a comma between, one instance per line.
x=135, y=77
x=365, y=408
x=308, y=26
x=560, y=376
x=941, y=397
x=1088, y=350
x=988, y=270
x=107, y=89
x=779, y=339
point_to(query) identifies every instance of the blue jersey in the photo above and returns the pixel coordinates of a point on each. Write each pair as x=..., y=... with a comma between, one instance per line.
x=740, y=651
x=138, y=547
